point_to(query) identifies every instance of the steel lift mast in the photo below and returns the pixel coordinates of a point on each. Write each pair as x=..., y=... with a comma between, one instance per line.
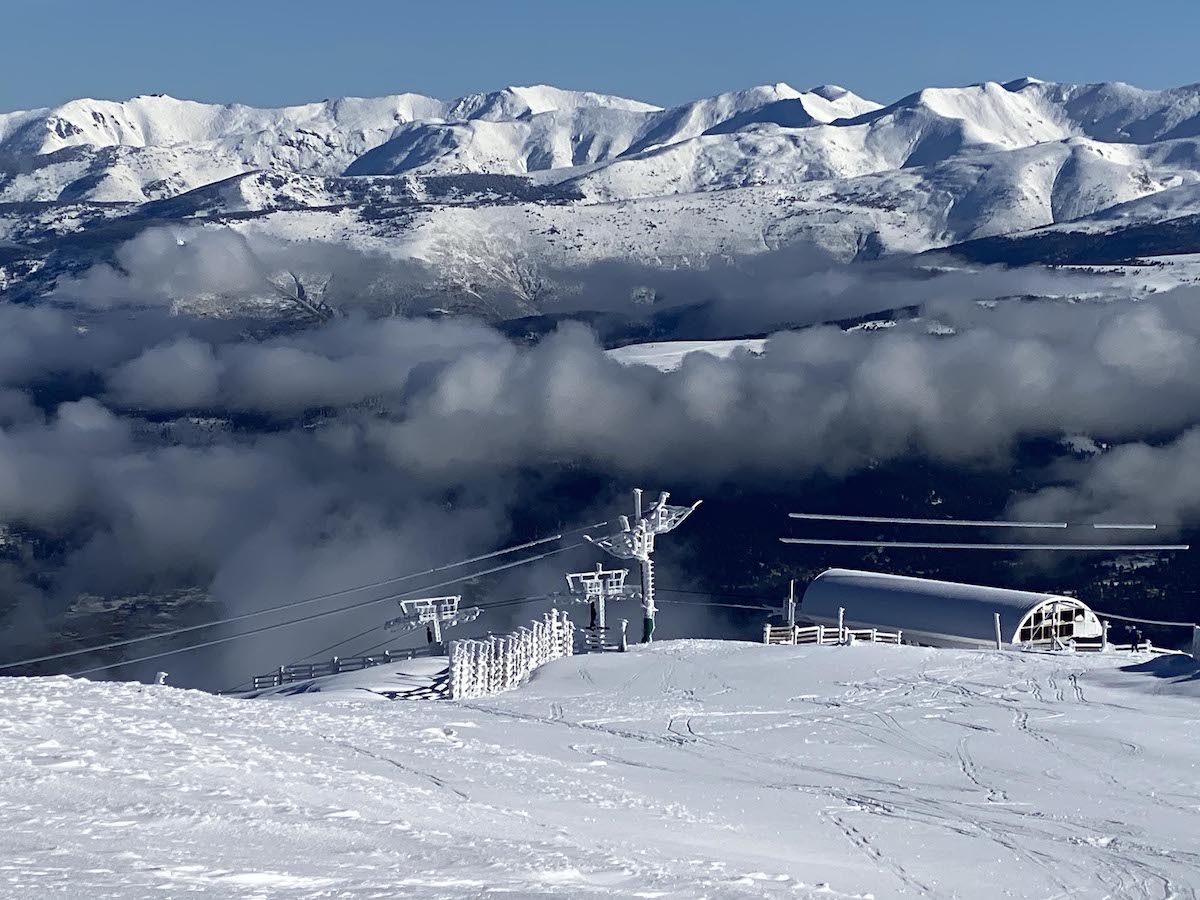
x=435, y=613
x=635, y=540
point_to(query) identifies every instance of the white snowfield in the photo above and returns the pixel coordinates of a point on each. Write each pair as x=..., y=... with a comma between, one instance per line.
x=669, y=355
x=736, y=173
x=688, y=769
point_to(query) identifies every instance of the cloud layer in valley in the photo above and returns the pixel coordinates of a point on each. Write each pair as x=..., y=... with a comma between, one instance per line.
x=147, y=453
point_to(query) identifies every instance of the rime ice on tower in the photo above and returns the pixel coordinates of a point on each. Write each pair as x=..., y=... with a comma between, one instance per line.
x=435, y=613
x=596, y=589
x=636, y=541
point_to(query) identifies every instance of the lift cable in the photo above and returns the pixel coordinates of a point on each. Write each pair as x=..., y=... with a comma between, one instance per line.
x=287, y=606
x=330, y=612
x=929, y=545
x=973, y=523
x=1104, y=615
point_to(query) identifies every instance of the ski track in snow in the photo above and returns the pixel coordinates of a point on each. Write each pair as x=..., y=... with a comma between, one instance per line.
x=688, y=769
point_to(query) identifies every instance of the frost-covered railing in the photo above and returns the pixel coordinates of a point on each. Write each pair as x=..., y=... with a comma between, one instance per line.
x=501, y=662
x=1096, y=646
x=826, y=634
x=335, y=666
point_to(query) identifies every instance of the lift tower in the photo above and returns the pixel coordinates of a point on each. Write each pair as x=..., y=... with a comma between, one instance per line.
x=435, y=613
x=635, y=540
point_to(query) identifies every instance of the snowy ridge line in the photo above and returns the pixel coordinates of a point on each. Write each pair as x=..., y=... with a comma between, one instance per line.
x=933, y=545
x=285, y=606
x=331, y=612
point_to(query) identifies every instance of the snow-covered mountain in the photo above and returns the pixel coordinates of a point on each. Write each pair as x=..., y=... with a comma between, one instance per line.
x=587, y=176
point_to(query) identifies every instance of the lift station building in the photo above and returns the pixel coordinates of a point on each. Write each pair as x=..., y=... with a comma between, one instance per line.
x=944, y=613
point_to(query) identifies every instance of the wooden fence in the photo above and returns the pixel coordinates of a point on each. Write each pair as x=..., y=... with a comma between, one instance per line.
x=501, y=662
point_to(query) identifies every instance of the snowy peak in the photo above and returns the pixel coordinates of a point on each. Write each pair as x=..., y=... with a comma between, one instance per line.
x=520, y=102
x=984, y=116
x=1119, y=113
x=820, y=106
x=505, y=133
x=162, y=121
x=941, y=165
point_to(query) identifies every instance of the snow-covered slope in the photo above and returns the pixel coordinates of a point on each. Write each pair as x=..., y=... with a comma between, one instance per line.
x=549, y=177
x=157, y=146
x=687, y=769
x=542, y=137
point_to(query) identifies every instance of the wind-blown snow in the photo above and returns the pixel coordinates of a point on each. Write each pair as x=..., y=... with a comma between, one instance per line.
x=687, y=769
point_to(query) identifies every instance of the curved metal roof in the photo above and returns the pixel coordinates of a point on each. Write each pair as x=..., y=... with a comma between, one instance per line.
x=922, y=607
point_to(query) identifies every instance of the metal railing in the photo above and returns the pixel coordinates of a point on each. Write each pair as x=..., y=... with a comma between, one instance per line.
x=827, y=634
x=1096, y=646
x=335, y=666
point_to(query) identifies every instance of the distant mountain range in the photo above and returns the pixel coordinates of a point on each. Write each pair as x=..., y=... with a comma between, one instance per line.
x=557, y=178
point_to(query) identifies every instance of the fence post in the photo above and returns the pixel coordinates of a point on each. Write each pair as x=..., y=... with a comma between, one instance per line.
x=279, y=677
x=624, y=639
x=1196, y=643
x=841, y=625
x=335, y=665
x=999, y=632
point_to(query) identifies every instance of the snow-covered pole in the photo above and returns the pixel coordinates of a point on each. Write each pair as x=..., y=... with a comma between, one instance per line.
x=648, y=608
x=1104, y=637
x=636, y=541
x=841, y=625
x=1195, y=642
x=999, y=633
x=791, y=604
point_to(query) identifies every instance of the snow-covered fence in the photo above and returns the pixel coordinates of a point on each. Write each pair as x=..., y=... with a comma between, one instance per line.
x=826, y=634
x=501, y=662
x=335, y=666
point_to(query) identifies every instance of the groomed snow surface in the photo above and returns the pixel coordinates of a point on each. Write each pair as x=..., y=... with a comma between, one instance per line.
x=687, y=769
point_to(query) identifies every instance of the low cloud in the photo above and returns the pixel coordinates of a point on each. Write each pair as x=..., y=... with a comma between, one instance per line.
x=265, y=469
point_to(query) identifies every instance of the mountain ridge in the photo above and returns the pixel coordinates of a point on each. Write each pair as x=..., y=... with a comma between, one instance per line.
x=473, y=183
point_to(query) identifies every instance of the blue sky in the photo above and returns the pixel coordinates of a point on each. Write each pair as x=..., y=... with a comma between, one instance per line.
x=273, y=52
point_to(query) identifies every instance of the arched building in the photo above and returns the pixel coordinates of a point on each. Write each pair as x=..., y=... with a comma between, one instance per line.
x=944, y=613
